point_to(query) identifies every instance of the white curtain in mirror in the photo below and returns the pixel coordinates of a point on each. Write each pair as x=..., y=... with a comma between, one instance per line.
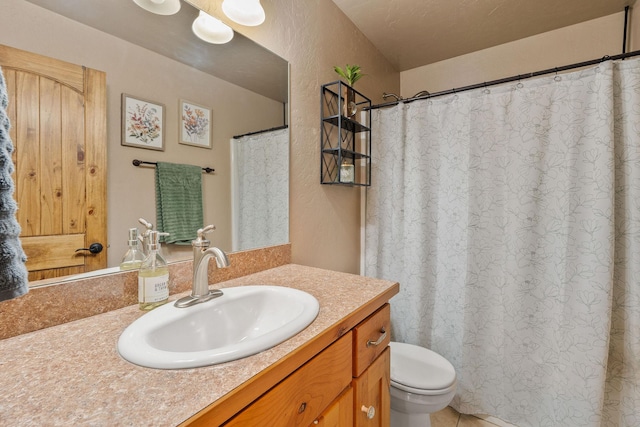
x=260, y=189
x=511, y=220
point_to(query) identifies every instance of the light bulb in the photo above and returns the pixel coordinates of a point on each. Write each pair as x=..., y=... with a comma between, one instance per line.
x=244, y=12
x=211, y=30
x=159, y=7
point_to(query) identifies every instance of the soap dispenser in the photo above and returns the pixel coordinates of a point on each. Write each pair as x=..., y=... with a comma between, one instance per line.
x=153, y=276
x=133, y=258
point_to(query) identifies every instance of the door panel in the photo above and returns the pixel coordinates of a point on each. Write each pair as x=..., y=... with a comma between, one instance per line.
x=58, y=116
x=50, y=132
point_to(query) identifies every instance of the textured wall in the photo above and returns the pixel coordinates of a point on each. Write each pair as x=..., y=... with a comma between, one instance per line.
x=314, y=35
x=568, y=45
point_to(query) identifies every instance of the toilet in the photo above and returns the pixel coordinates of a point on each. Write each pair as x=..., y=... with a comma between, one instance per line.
x=422, y=382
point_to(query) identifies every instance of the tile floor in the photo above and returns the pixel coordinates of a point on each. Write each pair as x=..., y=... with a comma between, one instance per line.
x=449, y=417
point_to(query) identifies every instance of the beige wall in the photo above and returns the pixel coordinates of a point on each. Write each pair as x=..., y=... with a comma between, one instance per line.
x=139, y=72
x=576, y=43
x=314, y=35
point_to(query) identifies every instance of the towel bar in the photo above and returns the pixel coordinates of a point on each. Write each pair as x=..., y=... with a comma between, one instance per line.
x=137, y=162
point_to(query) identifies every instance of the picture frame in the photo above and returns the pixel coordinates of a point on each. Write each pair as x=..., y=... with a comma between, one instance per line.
x=143, y=123
x=195, y=124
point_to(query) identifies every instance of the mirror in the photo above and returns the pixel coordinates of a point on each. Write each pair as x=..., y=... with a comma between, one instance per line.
x=158, y=58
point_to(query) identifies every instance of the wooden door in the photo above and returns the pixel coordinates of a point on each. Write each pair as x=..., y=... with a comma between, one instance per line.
x=372, y=401
x=58, y=128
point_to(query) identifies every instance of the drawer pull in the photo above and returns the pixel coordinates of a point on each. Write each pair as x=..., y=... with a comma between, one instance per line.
x=370, y=411
x=382, y=337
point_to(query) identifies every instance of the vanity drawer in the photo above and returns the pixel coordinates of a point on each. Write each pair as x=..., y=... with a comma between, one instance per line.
x=370, y=338
x=301, y=397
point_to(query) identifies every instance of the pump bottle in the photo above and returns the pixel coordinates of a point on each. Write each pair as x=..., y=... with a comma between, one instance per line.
x=133, y=258
x=153, y=276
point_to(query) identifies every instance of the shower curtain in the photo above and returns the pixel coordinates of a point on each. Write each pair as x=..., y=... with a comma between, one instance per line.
x=511, y=218
x=260, y=189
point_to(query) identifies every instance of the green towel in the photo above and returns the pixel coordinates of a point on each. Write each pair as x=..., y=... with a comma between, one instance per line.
x=179, y=202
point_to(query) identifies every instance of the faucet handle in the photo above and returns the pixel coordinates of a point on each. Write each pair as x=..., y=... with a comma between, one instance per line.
x=207, y=229
x=146, y=223
x=201, y=241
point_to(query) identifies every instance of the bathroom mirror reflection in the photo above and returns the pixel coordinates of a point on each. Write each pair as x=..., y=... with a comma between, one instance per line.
x=158, y=58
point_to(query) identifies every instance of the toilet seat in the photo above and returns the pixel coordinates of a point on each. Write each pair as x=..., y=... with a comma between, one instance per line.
x=419, y=370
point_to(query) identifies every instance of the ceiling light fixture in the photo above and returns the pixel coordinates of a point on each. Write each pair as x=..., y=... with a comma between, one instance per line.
x=244, y=12
x=211, y=29
x=159, y=7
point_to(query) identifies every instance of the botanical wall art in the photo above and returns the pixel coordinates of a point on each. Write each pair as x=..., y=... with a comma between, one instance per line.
x=195, y=124
x=142, y=123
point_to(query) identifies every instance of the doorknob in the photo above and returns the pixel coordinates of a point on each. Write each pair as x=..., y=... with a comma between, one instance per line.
x=94, y=248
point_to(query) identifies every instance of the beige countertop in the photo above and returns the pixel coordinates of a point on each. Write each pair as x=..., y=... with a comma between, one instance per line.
x=72, y=374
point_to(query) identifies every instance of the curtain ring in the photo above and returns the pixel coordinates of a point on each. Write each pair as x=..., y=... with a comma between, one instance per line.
x=557, y=77
x=486, y=89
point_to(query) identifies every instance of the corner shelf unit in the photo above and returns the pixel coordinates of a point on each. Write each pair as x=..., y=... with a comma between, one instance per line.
x=345, y=157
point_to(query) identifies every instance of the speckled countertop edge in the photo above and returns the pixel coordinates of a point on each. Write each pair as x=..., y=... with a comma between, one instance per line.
x=72, y=374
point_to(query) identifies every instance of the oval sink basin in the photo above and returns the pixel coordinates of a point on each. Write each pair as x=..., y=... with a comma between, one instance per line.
x=245, y=320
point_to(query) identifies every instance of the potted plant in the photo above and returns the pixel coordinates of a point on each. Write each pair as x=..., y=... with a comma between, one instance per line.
x=351, y=74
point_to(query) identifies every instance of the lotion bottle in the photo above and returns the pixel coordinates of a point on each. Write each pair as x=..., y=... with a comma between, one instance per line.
x=153, y=276
x=133, y=258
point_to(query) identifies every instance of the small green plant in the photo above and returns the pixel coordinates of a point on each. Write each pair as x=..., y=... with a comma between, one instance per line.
x=351, y=73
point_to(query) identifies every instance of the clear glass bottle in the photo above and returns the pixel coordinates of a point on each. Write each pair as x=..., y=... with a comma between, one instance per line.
x=347, y=172
x=153, y=276
x=133, y=258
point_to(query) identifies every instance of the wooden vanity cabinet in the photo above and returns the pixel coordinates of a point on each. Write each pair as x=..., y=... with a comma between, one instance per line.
x=371, y=370
x=301, y=397
x=371, y=404
x=345, y=384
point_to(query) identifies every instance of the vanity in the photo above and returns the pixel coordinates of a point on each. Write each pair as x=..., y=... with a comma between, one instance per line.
x=333, y=373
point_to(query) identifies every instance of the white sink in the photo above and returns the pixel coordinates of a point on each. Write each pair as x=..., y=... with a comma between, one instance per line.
x=245, y=320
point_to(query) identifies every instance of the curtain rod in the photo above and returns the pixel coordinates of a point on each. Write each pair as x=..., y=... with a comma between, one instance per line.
x=261, y=131
x=511, y=79
x=137, y=162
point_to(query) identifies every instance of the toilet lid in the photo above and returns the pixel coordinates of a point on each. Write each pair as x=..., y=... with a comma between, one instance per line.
x=420, y=368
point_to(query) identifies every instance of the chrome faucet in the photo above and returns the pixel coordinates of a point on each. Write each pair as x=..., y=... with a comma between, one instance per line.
x=202, y=253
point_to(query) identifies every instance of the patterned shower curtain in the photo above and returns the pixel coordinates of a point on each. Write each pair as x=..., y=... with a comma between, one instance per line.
x=260, y=190
x=511, y=218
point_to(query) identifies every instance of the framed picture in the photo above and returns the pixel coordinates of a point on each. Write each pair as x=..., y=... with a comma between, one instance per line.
x=195, y=124
x=142, y=123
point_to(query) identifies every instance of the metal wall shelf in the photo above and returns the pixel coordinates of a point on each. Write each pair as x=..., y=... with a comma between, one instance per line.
x=345, y=133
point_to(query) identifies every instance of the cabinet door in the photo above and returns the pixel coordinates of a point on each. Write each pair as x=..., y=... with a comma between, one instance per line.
x=371, y=404
x=339, y=414
x=301, y=397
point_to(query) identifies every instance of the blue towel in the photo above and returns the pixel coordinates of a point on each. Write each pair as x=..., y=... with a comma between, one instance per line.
x=179, y=202
x=14, y=280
